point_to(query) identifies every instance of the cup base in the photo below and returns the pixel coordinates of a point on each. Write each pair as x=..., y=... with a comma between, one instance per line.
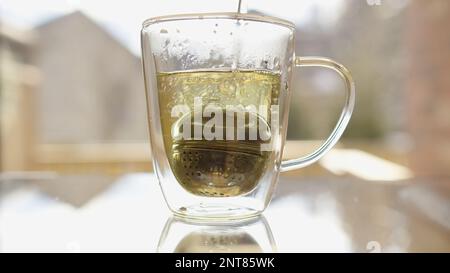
x=217, y=213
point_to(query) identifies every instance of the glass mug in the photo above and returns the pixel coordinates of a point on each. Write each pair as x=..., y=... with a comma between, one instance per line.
x=218, y=94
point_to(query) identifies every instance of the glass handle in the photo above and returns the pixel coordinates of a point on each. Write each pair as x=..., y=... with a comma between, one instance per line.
x=346, y=113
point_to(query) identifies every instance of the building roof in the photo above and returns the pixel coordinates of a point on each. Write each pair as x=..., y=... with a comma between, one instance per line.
x=80, y=16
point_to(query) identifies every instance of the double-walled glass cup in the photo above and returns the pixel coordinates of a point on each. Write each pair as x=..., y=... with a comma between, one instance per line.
x=218, y=95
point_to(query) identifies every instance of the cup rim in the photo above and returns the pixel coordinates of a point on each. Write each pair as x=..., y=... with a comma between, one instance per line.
x=219, y=15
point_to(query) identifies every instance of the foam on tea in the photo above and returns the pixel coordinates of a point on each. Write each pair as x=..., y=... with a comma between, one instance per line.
x=218, y=167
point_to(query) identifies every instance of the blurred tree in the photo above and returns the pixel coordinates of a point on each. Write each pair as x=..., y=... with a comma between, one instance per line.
x=369, y=39
x=428, y=84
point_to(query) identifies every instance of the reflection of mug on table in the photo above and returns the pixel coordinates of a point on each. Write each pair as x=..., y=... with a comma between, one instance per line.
x=181, y=236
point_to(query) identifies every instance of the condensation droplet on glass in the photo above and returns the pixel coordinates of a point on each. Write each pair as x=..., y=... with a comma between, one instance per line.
x=264, y=64
x=276, y=62
x=234, y=65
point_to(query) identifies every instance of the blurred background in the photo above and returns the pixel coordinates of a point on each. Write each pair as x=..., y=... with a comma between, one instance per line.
x=73, y=117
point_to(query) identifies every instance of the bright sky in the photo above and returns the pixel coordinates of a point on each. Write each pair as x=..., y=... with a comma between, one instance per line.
x=124, y=18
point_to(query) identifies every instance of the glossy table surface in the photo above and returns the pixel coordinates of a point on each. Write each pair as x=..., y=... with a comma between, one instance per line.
x=319, y=214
